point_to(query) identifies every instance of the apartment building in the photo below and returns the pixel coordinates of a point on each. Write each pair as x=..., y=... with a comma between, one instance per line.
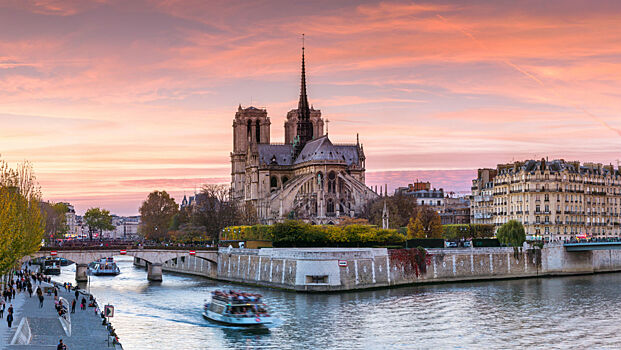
x=554, y=200
x=482, y=203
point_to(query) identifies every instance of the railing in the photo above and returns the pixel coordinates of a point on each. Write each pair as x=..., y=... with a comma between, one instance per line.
x=134, y=246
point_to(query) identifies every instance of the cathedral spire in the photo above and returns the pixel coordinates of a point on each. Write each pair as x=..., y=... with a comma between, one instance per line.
x=303, y=103
x=305, y=126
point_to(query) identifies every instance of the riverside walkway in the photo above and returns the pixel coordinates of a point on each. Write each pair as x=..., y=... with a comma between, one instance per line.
x=87, y=331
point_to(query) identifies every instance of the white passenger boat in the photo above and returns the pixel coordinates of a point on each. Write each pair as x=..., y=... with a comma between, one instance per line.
x=237, y=309
x=104, y=267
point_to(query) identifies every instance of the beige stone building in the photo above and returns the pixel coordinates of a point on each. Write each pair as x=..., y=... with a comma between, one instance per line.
x=308, y=177
x=555, y=199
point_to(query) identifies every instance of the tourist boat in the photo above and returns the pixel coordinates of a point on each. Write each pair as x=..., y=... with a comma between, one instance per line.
x=104, y=267
x=237, y=309
x=51, y=266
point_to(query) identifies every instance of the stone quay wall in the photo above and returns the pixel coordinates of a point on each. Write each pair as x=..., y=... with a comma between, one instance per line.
x=342, y=269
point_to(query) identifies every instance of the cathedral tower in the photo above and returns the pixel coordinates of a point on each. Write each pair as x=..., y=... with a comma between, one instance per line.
x=251, y=126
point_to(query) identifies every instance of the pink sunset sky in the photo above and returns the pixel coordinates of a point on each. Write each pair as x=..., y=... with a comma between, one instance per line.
x=113, y=99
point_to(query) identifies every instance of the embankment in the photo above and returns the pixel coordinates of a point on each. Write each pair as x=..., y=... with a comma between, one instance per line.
x=342, y=269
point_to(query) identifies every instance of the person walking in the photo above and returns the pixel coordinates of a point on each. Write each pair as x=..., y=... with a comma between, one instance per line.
x=41, y=298
x=9, y=319
x=77, y=293
x=73, y=306
x=83, y=304
x=61, y=345
x=2, y=307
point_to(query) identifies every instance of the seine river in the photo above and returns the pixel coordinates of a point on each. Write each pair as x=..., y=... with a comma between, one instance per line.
x=567, y=312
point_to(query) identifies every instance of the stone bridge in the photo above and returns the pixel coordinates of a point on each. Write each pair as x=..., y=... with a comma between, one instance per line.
x=154, y=258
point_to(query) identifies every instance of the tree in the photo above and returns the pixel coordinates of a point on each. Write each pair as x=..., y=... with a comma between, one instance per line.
x=55, y=219
x=415, y=229
x=214, y=210
x=98, y=219
x=400, y=208
x=425, y=224
x=511, y=233
x=21, y=222
x=157, y=215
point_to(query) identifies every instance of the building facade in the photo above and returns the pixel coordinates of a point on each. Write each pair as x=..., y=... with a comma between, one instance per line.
x=553, y=200
x=424, y=194
x=456, y=211
x=308, y=177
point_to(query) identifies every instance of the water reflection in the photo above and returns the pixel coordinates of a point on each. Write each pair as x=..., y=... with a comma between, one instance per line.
x=580, y=312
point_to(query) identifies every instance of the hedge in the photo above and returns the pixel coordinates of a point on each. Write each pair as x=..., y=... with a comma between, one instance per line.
x=467, y=231
x=300, y=234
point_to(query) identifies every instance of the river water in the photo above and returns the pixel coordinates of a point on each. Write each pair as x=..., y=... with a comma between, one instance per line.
x=566, y=312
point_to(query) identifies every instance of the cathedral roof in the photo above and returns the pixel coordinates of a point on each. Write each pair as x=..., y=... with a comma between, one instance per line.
x=319, y=149
x=274, y=154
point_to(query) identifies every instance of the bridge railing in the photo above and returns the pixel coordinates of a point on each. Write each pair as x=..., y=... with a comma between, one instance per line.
x=126, y=246
x=594, y=240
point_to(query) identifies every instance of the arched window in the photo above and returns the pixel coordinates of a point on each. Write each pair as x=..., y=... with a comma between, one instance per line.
x=331, y=182
x=258, y=131
x=330, y=206
x=273, y=182
x=249, y=129
x=284, y=180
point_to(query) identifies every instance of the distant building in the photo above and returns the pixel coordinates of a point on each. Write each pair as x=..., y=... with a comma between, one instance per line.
x=125, y=227
x=482, y=202
x=72, y=228
x=552, y=199
x=456, y=211
x=424, y=194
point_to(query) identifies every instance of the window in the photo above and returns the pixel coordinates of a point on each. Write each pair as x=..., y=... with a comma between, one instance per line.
x=258, y=131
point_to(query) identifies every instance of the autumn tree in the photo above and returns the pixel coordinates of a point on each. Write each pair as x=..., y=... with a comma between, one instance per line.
x=98, y=220
x=21, y=222
x=426, y=223
x=157, y=214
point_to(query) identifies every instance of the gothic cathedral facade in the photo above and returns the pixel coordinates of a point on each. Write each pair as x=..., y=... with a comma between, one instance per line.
x=307, y=178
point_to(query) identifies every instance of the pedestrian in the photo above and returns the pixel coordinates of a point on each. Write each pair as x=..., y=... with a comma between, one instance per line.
x=2, y=306
x=9, y=319
x=77, y=293
x=41, y=298
x=73, y=306
x=83, y=304
x=61, y=346
x=10, y=309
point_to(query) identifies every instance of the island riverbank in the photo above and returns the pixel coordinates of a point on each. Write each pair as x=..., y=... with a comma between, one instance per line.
x=347, y=269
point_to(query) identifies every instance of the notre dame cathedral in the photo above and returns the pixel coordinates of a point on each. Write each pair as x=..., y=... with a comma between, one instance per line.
x=307, y=178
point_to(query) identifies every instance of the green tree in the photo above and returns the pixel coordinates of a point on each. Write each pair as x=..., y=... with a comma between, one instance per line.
x=21, y=222
x=98, y=219
x=512, y=233
x=157, y=214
